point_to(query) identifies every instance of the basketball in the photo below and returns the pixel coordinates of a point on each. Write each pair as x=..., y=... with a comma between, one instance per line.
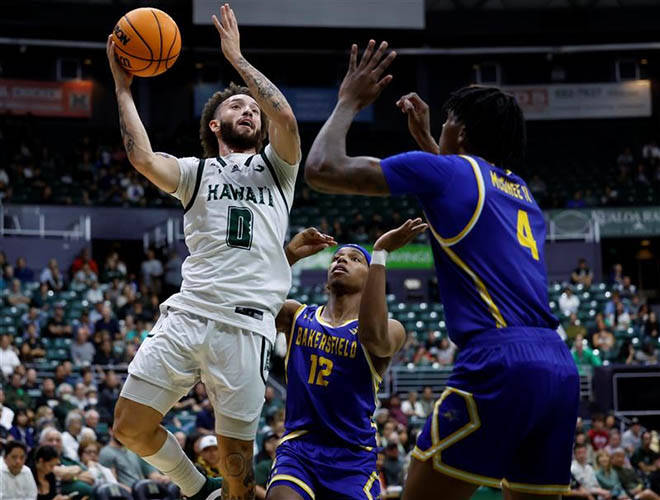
x=147, y=41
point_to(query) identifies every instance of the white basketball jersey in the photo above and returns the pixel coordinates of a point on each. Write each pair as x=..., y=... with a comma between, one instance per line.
x=235, y=221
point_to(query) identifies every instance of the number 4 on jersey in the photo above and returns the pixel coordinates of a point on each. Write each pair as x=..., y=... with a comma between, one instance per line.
x=525, y=236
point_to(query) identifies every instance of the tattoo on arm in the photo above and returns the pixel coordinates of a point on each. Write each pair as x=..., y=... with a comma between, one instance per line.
x=265, y=88
x=129, y=141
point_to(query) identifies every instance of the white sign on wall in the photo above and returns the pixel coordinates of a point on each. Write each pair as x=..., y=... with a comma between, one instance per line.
x=591, y=100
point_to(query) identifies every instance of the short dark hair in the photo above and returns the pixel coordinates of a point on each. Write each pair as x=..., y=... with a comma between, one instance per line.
x=494, y=123
x=45, y=453
x=206, y=136
x=579, y=445
x=12, y=445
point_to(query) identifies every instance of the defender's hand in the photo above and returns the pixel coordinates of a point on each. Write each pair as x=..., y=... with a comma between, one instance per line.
x=401, y=236
x=419, y=118
x=123, y=78
x=230, y=39
x=363, y=83
x=306, y=243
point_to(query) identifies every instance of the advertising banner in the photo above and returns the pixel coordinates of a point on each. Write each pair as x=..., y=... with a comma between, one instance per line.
x=414, y=256
x=66, y=99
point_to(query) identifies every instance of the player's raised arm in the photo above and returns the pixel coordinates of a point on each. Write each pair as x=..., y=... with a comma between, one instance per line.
x=283, y=128
x=328, y=168
x=382, y=336
x=307, y=242
x=160, y=169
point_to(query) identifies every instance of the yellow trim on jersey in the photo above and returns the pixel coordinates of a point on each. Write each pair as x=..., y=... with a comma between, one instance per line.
x=370, y=482
x=477, y=211
x=464, y=475
x=325, y=323
x=438, y=444
x=376, y=379
x=294, y=480
x=292, y=435
x=542, y=489
x=288, y=346
x=481, y=287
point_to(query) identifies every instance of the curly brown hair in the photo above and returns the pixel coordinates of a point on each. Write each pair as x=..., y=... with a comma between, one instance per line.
x=206, y=135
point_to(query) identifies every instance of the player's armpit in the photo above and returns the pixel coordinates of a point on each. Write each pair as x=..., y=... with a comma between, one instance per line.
x=352, y=175
x=162, y=170
x=284, y=318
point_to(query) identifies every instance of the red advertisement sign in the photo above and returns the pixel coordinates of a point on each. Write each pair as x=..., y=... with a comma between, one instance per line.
x=69, y=99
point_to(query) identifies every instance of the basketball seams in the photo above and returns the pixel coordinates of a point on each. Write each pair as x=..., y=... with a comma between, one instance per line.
x=176, y=33
x=149, y=61
x=151, y=52
x=144, y=58
x=160, y=45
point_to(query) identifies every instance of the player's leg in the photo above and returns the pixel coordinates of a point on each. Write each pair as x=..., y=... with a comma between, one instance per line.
x=163, y=370
x=292, y=476
x=236, y=457
x=424, y=482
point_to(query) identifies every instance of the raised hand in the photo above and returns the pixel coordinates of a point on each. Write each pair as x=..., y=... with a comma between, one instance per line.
x=123, y=78
x=306, y=243
x=364, y=81
x=401, y=236
x=230, y=39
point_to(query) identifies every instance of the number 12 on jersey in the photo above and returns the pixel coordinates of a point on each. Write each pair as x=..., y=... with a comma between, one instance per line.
x=325, y=367
x=525, y=235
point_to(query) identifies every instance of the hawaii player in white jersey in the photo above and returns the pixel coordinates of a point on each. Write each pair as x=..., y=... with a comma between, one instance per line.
x=220, y=327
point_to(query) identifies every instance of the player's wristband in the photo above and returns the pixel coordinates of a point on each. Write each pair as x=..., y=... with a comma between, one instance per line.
x=379, y=257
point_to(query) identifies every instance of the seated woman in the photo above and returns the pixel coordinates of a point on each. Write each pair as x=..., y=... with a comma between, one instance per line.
x=46, y=458
x=88, y=451
x=602, y=339
x=607, y=476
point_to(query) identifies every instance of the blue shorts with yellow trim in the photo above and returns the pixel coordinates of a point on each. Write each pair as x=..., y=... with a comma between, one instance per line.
x=508, y=414
x=324, y=472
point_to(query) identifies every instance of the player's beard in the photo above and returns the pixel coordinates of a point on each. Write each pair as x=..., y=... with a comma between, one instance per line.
x=235, y=140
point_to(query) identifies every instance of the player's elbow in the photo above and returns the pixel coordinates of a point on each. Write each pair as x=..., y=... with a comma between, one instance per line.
x=317, y=171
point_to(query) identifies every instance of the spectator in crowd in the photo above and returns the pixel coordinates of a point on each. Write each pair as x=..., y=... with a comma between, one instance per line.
x=271, y=401
x=412, y=406
x=52, y=276
x=6, y=413
x=105, y=355
x=607, y=476
x=134, y=190
x=393, y=466
x=603, y=339
x=651, y=326
x=82, y=350
x=48, y=395
x=107, y=322
x=87, y=376
x=583, y=356
x=31, y=382
x=574, y=327
x=626, y=288
x=84, y=257
x=626, y=354
x=15, y=394
x=32, y=347
x=625, y=160
x=89, y=456
x=32, y=316
x=21, y=430
x=8, y=357
x=581, y=437
x=616, y=276
x=610, y=306
x=40, y=297
x=582, y=274
x=446, y=351
x=126, y=466
x=568, y=302
x=113, y=269
x=629, y=479
x=84, y=278
x=427, y=400
x=16, y=480
x=209, y=458
x=92, y=418
x=64, y=393
x=585, y=475
x=395, y=410
x=96, y=314
x=598, y=436
x=614, y=443
x=22, y=271
x=16, y=297
x=644, y=457
x=7, y=276
x=648, y=354
x=71, y=436
x=72, y=475
x=57, y=326
x=79, y=398
x=654, y=478
x=108, y=394
x=46, y=459
x=264, y=463
x=94, y=294
x=205, y=420
x=621, y=318
x=152, y=271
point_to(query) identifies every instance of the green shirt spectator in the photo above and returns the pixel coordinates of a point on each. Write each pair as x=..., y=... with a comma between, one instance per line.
x=583, y=356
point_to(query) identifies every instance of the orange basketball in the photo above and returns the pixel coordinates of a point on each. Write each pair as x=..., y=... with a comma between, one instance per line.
x=147, y=41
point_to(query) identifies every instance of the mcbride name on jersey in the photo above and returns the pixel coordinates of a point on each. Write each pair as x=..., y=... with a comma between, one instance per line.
x=236, y=216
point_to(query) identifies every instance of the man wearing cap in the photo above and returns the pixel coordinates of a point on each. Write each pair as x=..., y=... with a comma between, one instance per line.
x=209, y=458
x=336, y=357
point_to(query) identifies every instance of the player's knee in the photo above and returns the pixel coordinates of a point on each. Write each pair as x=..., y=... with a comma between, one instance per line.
x=128, y=428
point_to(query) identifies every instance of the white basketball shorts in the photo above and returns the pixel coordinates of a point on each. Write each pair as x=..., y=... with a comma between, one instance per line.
x=183, y=348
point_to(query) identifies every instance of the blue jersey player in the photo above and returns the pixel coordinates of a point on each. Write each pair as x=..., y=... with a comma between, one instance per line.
x=507, y=416
x=336, y=356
